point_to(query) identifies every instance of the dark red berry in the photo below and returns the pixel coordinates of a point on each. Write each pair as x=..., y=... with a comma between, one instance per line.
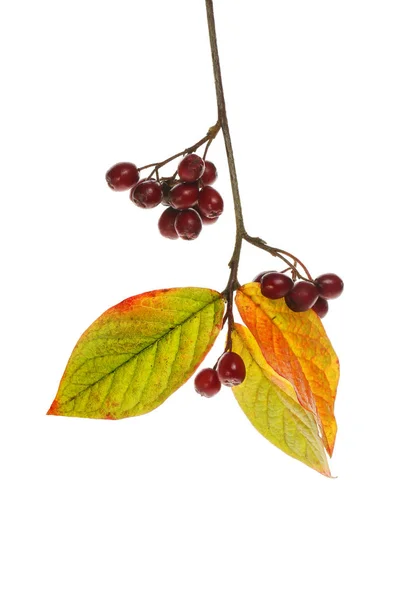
x=210, y=202
x=275, y=285
x=166, y=223
x=321, y=307
x=330, y=286
x=210, y=173
x=184, y=195
x=188, y=224
x=258, y=277
x=231, y=369
x=302, y=296
x=207, y=383
x=191, y=168
x=146, y=194
x=122, y=176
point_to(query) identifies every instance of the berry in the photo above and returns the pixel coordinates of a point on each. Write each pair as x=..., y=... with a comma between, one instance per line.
x=275, y=285
x=210, y=173
x=122, y=176
x=210, y=202
x=330, y=286
x=166, y=223
x=184, y=195
x=146, y=194
x=188, y=224
x=191, y=168
x=302, y=296
x=231, y=369
x=207, y=383
x=258, y=278
x=321, y=307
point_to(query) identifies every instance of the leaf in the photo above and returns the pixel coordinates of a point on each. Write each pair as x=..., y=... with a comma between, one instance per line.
x=270, y=403
x=296, y=346
x=138, y=353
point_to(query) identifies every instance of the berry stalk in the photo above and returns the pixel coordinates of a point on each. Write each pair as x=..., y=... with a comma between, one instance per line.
x=207, y=139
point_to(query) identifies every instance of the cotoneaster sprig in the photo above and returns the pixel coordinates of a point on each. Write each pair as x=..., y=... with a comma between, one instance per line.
x=280, y=364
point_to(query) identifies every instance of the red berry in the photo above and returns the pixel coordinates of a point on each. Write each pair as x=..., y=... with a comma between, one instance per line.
x=258, y=277
x=207, y=383
x=231, y=369
x=330, y=286
x=191, y=168
x=210, y=202
x=166, y=223
x=184, y=195
x=302, y=296
x=188, y=224
x=321, y=307
x=210, y=173
x=275, y=285
x=122, y=176
x=146, y=194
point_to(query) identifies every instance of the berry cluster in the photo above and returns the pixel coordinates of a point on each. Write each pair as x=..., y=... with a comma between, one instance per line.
x=230, y=371
x=301, y=295
x=191, y=201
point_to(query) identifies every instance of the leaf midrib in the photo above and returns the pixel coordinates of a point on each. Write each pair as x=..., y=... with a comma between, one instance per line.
x=192, y=316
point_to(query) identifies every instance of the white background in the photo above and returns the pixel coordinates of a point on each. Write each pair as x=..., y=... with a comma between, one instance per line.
x=190, y=502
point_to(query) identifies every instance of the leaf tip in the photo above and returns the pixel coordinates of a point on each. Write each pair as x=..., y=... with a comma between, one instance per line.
x=53, y=410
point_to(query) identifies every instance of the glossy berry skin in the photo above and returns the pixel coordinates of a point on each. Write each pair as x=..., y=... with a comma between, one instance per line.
x=146, y=194
x=184, y=195
x=231, y=369
x=207, y=383
x=188, y=224
x=191, y=168
x=122, y=176
x=302, y=296
x=275, y=285
x=257, y=278
x=210, y=173
x=330, y=286
x=210, y=202
x=166, y=223
x=321, y=307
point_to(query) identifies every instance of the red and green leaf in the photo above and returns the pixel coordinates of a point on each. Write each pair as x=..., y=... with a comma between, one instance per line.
x=138, y=353
x=296, y=346
x=270, y=403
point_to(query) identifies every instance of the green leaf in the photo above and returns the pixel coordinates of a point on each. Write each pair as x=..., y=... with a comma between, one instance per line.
x=138, y=353
x=270, y=403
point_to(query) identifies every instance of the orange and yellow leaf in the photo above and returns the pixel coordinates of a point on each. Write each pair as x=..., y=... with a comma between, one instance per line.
x=138, y=353
x=270, y=403
x=296, y=346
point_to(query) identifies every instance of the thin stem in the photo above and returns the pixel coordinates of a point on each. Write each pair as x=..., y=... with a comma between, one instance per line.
x=206, y=149
x=296, y=260
x=233, y=283
x=223, y=119
x=259, y=243
x=241, y=233
x=207, y=139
